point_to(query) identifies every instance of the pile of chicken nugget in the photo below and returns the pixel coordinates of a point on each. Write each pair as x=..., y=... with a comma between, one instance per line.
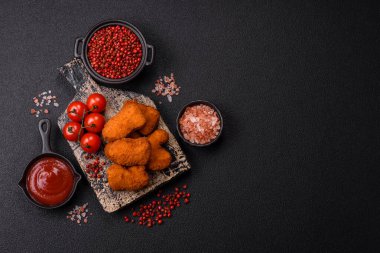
x=134, y=146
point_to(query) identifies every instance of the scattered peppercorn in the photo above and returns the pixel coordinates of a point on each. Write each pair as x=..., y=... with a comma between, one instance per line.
x=95, y=168
x=154, y=212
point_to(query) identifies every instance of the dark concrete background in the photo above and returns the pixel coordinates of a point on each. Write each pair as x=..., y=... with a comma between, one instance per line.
x=298, y=86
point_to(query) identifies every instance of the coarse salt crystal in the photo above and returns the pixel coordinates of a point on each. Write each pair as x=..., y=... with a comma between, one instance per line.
x=41, y=101
x=193, y=119
x=166, y=86
x=199, y=124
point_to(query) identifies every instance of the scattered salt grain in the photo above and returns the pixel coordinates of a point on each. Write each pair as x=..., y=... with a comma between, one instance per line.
x=78, y=214
x=41, y=101
x=166, y=86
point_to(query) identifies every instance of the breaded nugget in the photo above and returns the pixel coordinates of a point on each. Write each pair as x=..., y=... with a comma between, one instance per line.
x=132, y=179
x=152, y=117
x=160, y=158
x=128, y=152
x=126, y=121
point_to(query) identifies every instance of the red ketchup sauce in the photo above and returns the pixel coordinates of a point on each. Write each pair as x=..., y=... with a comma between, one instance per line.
x=50, y=181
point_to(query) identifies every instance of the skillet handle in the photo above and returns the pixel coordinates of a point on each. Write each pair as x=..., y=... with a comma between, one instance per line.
x=77, y=42
x=45, y=135
x=150, y=61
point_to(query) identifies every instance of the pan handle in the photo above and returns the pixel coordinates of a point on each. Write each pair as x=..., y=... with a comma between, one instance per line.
x=45, y=135
x=149, y=62
x=77, y=42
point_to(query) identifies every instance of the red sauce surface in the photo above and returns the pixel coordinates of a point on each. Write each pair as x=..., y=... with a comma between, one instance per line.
x=50, y=181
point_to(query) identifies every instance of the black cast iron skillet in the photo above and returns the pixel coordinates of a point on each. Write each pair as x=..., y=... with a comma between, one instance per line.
x=47, y=152
x=101, y=79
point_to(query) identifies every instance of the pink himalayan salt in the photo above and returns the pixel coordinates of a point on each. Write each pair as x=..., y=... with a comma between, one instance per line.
x=199, y=124
x=166, y=87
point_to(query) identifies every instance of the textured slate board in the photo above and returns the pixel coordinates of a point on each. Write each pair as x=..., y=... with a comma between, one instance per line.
x=113, y=200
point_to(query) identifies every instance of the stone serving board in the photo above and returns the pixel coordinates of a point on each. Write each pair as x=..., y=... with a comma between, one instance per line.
x=110, y=200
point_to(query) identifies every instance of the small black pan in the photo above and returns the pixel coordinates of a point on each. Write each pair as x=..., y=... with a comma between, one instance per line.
x=200, y=102
x=47, y=152
x=147, y=52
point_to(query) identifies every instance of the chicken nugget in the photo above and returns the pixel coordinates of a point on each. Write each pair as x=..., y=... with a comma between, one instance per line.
x=152, y=117
x=128, y=152
x=160, y=158
x=132, y=179
x=126, y=121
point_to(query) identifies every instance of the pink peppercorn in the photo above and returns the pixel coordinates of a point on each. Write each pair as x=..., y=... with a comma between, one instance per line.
x=153, y=213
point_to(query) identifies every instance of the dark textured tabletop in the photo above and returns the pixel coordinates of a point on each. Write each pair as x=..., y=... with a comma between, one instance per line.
x=297, y=168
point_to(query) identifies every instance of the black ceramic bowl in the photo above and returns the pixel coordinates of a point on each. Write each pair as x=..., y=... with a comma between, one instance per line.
x=197, y=102
x=47, y=152
x=84, y=50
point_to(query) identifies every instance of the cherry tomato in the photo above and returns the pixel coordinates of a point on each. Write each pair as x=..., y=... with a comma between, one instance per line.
x=96, y=102
x=76, y=111
x=94, y=122
x=72, y=131
x=90, y=142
